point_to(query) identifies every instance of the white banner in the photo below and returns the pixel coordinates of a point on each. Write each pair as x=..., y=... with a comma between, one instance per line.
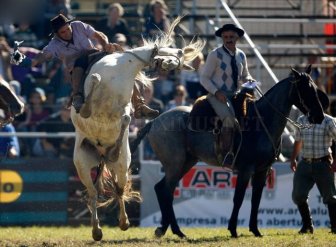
x=204, y=198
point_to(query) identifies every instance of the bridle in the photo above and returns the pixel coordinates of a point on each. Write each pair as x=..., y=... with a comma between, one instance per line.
x=147, y=63
x=301, y=101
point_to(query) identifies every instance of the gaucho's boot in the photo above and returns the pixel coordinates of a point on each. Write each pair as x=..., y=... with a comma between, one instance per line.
x=77, y=95
x=307, y=223
x=332, y=216
x=141, y=110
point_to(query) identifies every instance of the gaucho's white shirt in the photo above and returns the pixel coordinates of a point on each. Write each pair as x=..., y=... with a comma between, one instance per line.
x=217, y=72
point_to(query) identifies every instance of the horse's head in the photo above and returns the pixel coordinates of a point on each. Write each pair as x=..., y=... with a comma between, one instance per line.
x=9, y=103
x=308, y=97
x=167, y=58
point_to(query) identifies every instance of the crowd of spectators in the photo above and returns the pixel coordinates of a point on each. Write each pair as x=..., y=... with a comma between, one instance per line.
x=45, y=89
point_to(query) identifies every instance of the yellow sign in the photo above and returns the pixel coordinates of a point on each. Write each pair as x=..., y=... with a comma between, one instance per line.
x=10, y=186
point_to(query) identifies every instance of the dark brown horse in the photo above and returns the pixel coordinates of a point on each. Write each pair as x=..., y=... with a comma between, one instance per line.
x=179, y=148
x=9, y=103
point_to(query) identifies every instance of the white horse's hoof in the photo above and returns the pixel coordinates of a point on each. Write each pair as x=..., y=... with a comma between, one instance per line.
x=97, y=234
x=124, y=226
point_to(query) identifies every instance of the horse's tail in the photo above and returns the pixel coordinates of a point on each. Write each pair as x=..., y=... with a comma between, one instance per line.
x=141, y=134
x=108, y=189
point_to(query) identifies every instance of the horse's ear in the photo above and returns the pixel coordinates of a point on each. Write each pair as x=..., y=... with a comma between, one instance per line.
x=187, y=67
x=308, y=69
x=295, y=73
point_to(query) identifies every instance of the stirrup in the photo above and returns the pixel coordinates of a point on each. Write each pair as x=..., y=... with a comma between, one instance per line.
x=228, y=160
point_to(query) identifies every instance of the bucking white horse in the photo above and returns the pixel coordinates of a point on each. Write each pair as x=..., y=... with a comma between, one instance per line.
x=102, y=138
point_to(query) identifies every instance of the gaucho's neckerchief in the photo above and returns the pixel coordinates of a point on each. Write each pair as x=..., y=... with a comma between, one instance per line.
x=234, y=67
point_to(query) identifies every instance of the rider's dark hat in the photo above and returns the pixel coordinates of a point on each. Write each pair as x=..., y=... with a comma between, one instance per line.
x=230, y=27
x=59, y=21
x=324, y=100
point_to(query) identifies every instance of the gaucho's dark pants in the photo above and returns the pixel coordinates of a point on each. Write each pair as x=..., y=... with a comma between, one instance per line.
x=306, y=175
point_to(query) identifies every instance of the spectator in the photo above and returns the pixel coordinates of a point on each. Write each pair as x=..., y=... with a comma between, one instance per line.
x=164, y=86
x=56, y=147
x=23, y=32
x=7, y=30
x=191, y=79
x=121, y=40
x=26, y=75
x=157, y=21
x=113, y=23
x=315, y=167
x=9, y=146
x=180, y=96
x=37, y=110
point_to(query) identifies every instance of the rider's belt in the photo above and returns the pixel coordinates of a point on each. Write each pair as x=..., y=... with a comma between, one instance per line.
x=317, y=160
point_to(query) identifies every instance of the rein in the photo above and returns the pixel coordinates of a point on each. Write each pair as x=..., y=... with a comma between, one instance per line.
x=294, y=123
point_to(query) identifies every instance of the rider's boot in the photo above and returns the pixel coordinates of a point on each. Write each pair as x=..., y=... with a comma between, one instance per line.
x=77, y=95
x=141, y=110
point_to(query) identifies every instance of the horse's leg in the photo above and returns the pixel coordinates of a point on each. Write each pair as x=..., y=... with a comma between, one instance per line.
x=258, y=183
x=161, y=196
x=83, y=162
x=242, y=182
x=120, y=169
x=114, y=153
x=165, y=194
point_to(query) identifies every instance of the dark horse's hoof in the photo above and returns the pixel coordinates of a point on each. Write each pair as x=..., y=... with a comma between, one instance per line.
x=233, y=232
x=159, y=232
x=179, y=233
x=256, y=232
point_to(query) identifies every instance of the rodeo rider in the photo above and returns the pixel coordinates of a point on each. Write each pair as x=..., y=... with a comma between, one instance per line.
x=72, y=43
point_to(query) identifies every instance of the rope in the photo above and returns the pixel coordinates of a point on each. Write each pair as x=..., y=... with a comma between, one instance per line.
x=276, y=150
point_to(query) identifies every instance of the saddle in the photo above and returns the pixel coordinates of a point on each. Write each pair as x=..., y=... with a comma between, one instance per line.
x=204, y=118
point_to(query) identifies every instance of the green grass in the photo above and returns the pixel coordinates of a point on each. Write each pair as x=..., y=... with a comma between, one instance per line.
x=136, y=236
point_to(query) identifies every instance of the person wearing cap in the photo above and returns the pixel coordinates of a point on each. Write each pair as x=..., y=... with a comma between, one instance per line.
x=73, y=41
x=314, y=143
x=224, y=71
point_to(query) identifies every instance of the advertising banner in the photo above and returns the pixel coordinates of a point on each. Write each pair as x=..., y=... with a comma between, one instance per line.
x=34, y=191
x=204, y=198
